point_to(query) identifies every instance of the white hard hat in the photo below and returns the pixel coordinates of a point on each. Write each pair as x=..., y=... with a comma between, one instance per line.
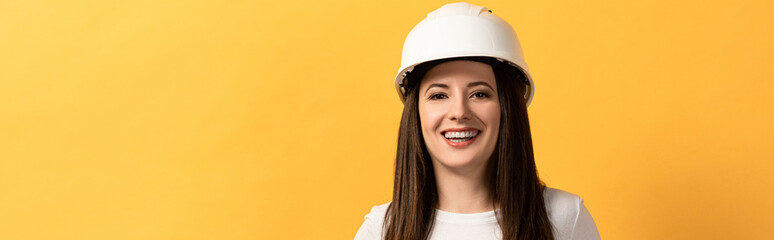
x=461, y=30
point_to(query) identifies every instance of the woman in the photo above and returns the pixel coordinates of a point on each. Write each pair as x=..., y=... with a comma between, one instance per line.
x=464, y=167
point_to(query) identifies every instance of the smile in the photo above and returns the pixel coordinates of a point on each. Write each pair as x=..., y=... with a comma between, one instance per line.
x=460, y=137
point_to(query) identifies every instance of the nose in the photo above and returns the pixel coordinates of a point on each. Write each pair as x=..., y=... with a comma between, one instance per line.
x=459, y=110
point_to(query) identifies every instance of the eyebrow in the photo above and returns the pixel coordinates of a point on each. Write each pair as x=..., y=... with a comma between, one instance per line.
x=440, y=85
x=473, y=84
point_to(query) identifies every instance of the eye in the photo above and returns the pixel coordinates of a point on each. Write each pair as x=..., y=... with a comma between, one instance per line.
x=480, y=95
x=437, y=96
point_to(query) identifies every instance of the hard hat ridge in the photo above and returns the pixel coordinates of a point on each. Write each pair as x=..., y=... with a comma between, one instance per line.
x=458, y=9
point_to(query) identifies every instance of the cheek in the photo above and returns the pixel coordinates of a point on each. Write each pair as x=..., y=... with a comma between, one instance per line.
x=430, y=118
x=490, y=116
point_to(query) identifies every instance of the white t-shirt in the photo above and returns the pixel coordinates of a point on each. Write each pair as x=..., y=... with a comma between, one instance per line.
x=569, y=218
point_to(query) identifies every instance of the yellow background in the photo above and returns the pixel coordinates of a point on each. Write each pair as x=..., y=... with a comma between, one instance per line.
x=278, y=120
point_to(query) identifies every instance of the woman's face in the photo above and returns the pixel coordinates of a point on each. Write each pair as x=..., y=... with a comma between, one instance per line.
x=460, y=113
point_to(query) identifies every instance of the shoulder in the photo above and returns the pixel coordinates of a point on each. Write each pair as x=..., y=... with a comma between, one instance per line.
x=568, y=215
x=372, y=226
x=378, y=212
x=560, y=202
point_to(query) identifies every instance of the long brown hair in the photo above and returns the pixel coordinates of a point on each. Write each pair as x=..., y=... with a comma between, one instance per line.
x=511, y=173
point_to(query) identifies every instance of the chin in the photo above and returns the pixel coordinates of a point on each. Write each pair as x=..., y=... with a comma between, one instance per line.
x=460, y=161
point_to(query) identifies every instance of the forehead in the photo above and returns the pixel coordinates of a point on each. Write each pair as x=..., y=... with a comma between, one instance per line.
x=459, y=71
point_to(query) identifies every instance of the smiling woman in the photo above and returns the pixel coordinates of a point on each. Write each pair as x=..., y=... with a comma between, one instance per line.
x=459, y=107
x=464, y=165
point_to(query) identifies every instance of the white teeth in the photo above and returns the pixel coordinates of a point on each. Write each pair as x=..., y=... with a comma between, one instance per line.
x=466, y=134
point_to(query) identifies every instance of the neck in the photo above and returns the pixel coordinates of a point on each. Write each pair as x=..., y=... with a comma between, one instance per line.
x=462, y=190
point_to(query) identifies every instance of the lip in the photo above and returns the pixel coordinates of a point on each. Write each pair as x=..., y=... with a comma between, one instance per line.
x=460, y=144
